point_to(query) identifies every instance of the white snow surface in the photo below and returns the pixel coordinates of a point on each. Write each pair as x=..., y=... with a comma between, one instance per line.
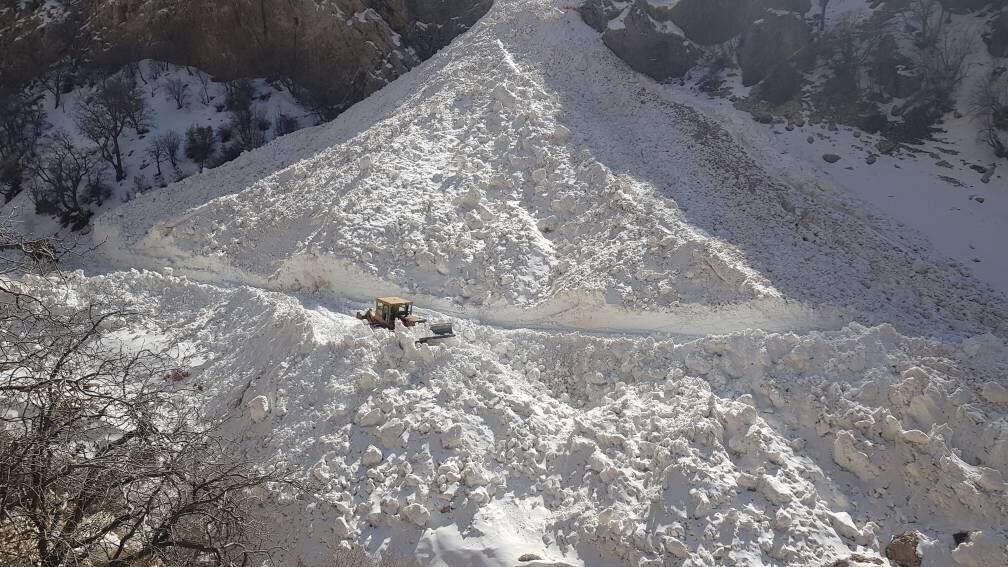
x=670, y=351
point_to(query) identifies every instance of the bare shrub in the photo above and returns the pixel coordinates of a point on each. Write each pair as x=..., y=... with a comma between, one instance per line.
x=116, y=104
x=927, y=18
x=172, y=143
x=179, y=91
x=989, y=106
x=284, y=124
x=65, y=174
x=943, y=65
x=21, y=126
x=104, y=461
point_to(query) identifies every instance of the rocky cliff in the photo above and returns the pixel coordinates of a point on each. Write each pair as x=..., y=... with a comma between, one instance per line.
x=339, y=50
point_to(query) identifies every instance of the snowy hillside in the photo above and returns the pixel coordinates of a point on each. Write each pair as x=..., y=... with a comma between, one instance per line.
x=176, y=99
x=676, y=346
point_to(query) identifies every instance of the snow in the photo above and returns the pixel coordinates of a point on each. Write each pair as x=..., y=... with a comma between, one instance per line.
x=675, y=345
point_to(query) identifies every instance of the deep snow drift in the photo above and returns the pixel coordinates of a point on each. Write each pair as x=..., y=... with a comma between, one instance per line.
x=826, y=385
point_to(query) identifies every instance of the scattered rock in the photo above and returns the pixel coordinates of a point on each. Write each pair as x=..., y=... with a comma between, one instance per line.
x=902, y=550
x=886, y=146
x=529, y=557
x=810, y=139
x=831, y=158
x=871, y=159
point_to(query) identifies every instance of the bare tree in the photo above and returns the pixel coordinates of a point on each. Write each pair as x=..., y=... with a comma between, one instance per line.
x=203, y=80
x=157, y=151
x=103, y=459
x=928, y=19
x=943, y=65
x=200, y=144
x=850, y=44
x=823, y=5
x=989, y=106
x=172, y=143
x=179, y=91
x=64, y=174
x=104, y=117
x=21, y=126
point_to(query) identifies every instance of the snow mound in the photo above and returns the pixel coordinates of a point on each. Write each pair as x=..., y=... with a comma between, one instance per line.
x=751, y=448
x=522, y=163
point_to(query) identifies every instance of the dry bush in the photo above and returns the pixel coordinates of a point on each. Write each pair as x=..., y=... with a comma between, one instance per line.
x=989, y=106
x=103, y=460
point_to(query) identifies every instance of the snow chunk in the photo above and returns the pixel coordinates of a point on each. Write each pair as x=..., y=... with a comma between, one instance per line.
x=848, y=457
x=452, y=438
x=259, y=408
x=995, y=393
x=415, y=514
x=372, y=456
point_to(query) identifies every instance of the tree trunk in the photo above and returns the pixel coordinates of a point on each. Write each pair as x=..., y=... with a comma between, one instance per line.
x=117, y=160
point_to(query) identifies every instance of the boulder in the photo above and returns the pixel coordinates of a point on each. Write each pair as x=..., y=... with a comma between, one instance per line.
x=997, y=37
x=658, y=52
x=902, y=550
x=706, y=22
x=781, y=85
x=598, y=13
x=774, y=39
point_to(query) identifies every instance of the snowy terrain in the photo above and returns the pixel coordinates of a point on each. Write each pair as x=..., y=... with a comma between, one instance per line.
x=203, y=105
x=676, y=346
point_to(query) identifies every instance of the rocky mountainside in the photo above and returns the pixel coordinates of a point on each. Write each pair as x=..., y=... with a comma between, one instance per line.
x=891, y=66
x=338, y=51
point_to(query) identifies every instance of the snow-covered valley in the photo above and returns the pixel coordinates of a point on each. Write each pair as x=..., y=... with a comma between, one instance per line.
x=676, y=346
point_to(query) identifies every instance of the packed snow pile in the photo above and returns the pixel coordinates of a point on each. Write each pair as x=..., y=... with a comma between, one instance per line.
x=752, y=448
x=669, y=352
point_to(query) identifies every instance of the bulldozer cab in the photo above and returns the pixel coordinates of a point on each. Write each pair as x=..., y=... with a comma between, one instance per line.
x=388, y=309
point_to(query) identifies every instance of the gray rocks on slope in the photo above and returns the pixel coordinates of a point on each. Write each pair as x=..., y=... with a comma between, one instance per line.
x=665, y=40
x=997, y=37
x=660, y=53
x=774, y=39
x=341, y=50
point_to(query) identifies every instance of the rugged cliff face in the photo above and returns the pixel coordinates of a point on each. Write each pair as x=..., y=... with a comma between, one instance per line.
x=339, y=50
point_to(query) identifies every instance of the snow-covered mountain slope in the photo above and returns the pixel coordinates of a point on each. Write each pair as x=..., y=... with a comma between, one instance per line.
x=526, y=163
x=574, y=221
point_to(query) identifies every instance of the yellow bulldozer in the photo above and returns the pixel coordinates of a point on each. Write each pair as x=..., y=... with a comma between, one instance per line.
x=388, y=310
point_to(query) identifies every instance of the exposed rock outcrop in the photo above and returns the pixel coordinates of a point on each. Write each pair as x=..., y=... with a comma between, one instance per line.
x=902, y=550
x=656, y=51
x=774, y=39
x=340, y=50
x=665, y=39
x=997, y=37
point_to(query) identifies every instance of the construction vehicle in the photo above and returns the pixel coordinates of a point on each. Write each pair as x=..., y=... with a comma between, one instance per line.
x=388, y=310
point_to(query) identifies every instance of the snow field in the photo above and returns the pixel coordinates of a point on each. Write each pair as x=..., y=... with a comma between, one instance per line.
x=524, y=177
x=751, y=448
